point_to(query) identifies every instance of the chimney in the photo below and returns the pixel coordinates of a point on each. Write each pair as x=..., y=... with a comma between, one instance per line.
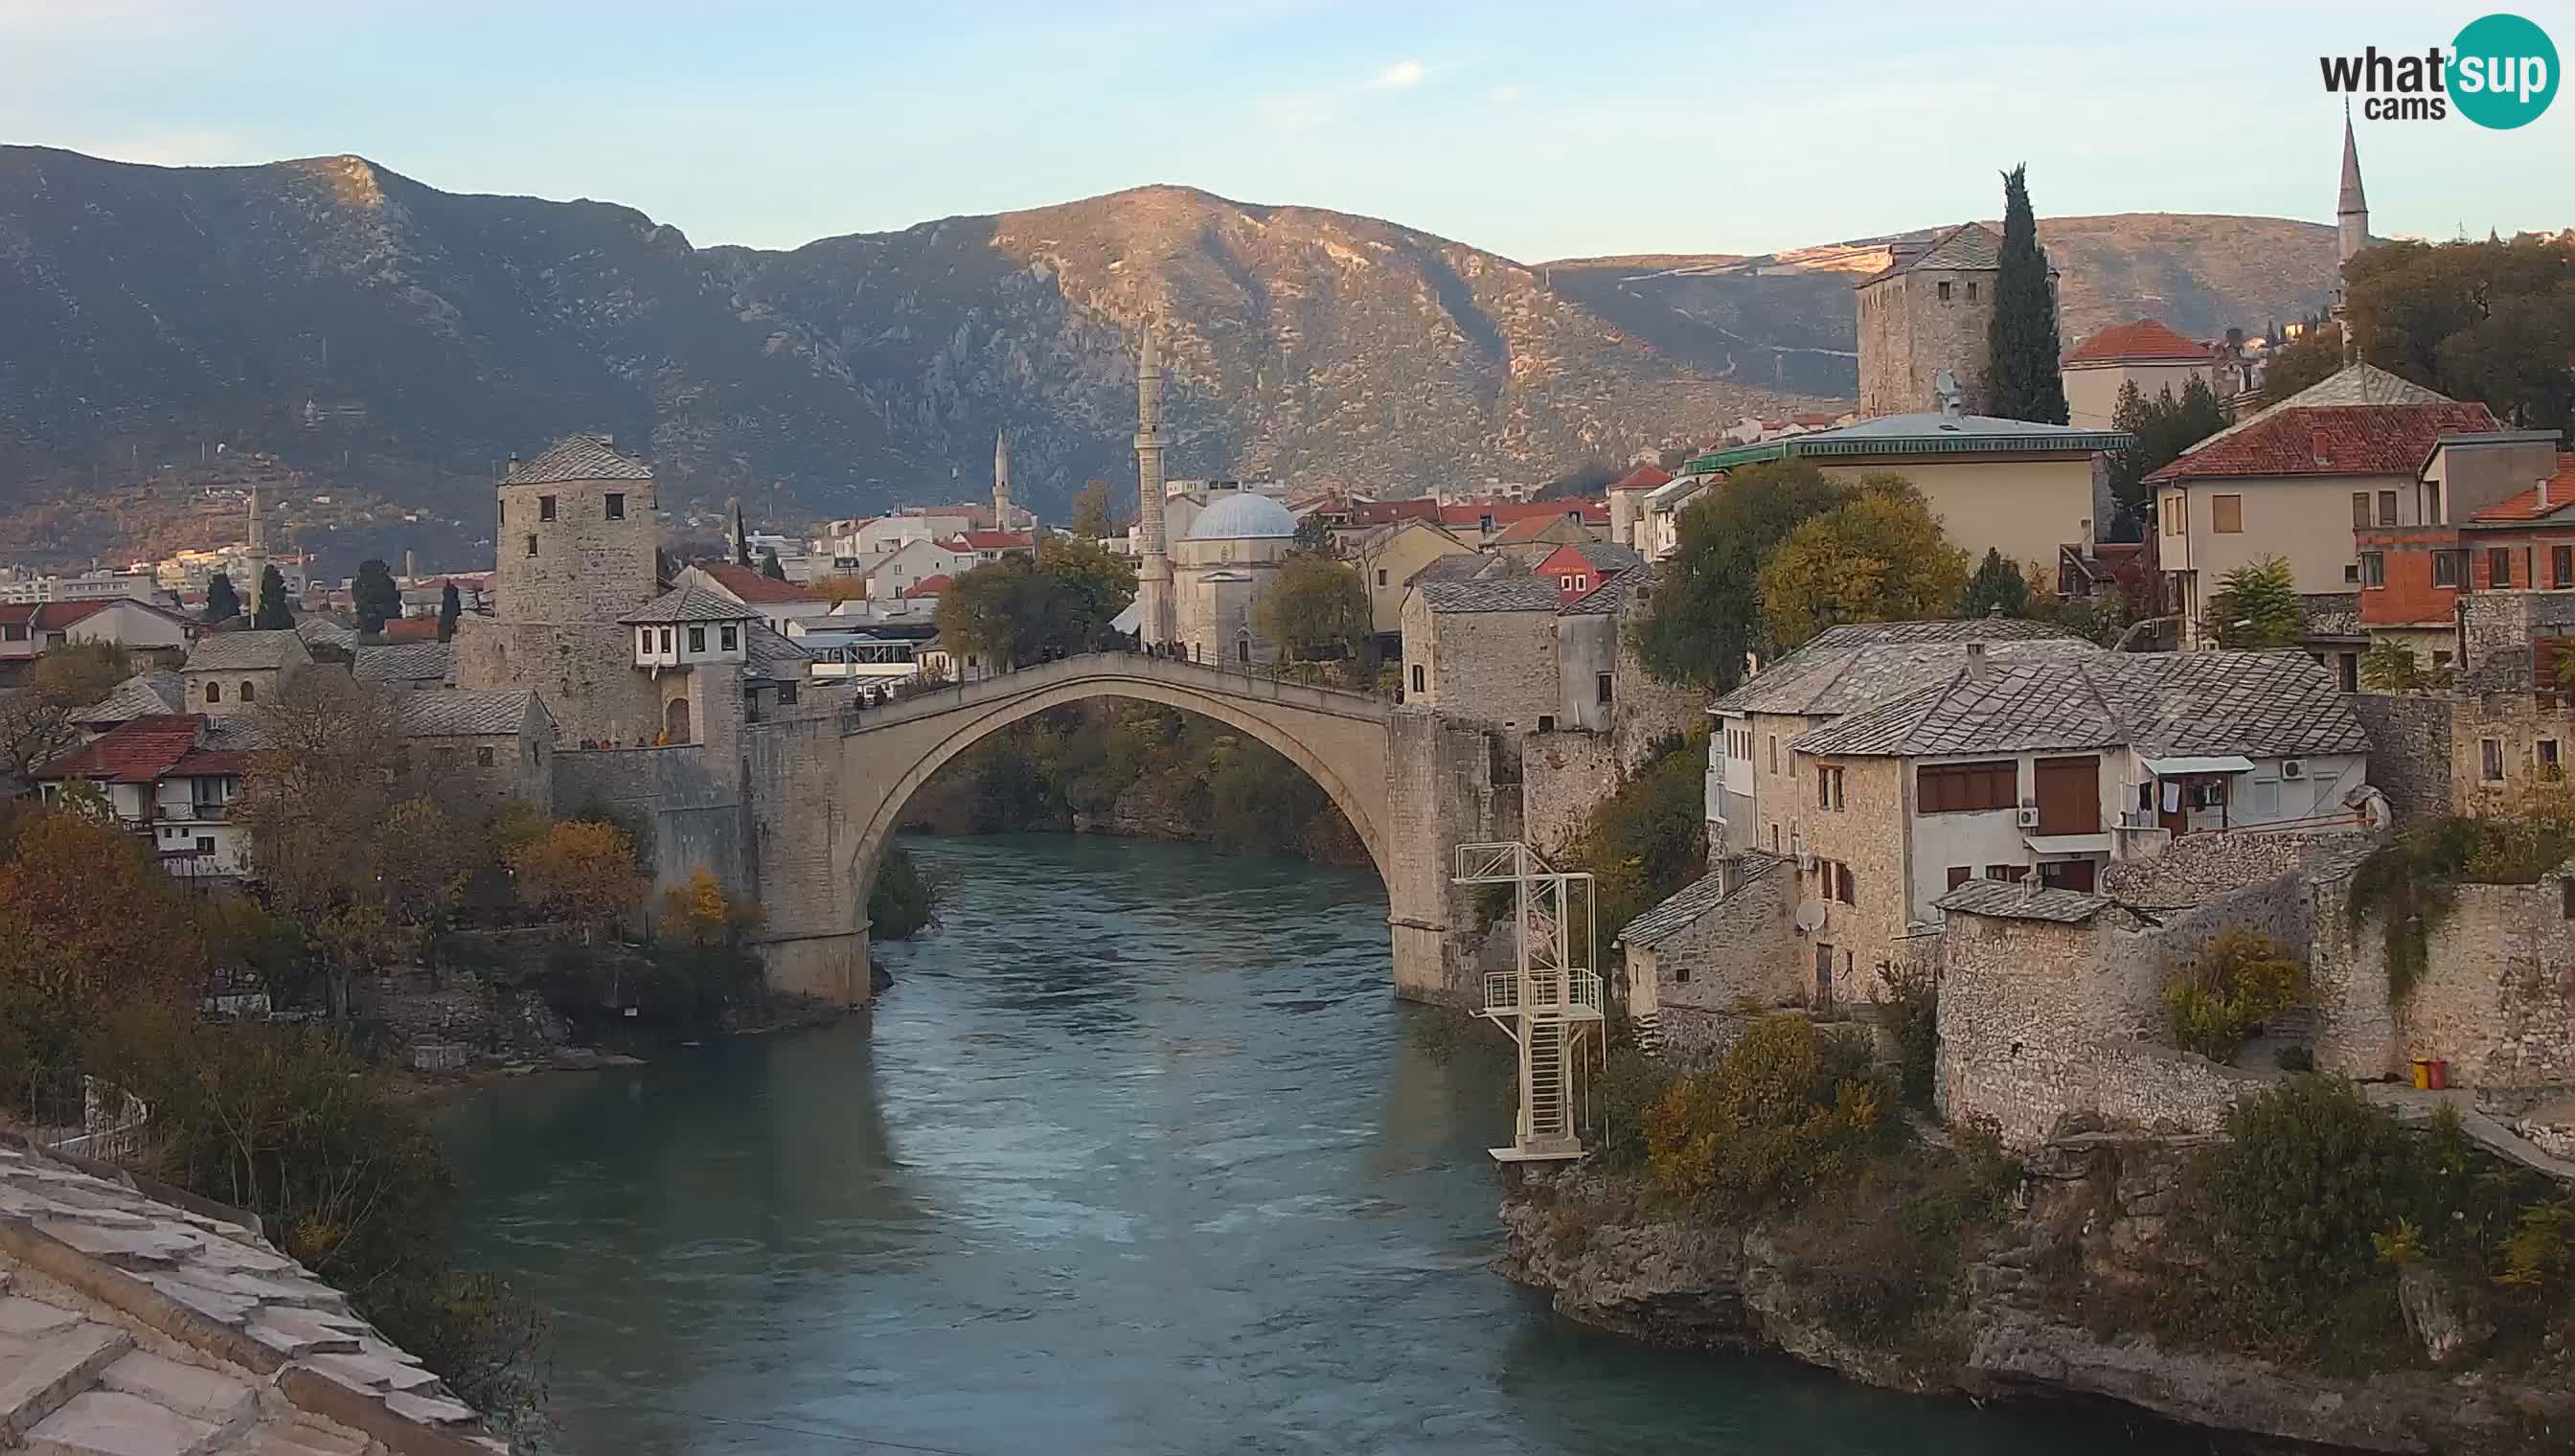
x=411, y=566
x=2320, y=446
x=2543, y=492
x=1977, y=667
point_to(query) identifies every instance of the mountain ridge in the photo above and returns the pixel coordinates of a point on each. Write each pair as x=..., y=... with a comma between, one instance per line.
x=386, y=342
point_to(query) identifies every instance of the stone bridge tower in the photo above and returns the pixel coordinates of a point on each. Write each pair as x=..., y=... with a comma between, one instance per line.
x=574, y=552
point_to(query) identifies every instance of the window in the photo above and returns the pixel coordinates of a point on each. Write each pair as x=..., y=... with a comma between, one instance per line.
x=2499, y=567
x=483, y=757
x=2176, y=512
x=249, y=690
x=1546, y=722
x=1680, y=974
x=1829, y=786
x=1959, y=874
x=616, y=504
x=545, y=508
x=2360, y=510
x=214, y=693
x=2490, y=759
x=2373, y=568
x=2387, y=508
x=730, y=635
x=697, y=639
x=2544, y=752
x=1565, y=584
x=2007, y=873
x=1774, y=753
x=1380, y=575
x=532, y=542
x=2226, y=515
x=2561, y=567
x=2445, y=569
x=1945, y=291
x=2440, y=660
x=2432, y=515
x=665, y=639
x=205, y=843
x=2351, y=572
x=1417, y=679
x=1967, y=787
x=1603, y=687
x=1972, y=289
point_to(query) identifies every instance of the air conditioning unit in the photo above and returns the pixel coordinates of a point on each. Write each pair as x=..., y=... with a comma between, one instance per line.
x=2027, y=818
x=2293, y=768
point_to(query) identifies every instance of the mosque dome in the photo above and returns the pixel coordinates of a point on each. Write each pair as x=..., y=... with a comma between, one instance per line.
x=1243, y=517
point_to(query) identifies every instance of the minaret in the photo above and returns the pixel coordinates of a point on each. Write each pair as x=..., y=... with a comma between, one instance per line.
x=2351, y=224
x=1153, y=573
x=254, y=556
x=1002, y=479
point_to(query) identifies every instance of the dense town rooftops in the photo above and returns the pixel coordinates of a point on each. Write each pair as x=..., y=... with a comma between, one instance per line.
x=687, y=603
x=2360, y=420
x=1508, y=513
x=1855, y=667
x=2146, y=341
x=1542, y=531
x=578, y=458
x=235, y=651
x=1921, y=436
x=747, y=584
x=1500, y=594
x=2265, y=705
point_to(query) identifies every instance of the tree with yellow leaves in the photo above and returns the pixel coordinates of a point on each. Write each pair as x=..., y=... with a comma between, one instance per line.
x=1881, y=558
x=580, y=871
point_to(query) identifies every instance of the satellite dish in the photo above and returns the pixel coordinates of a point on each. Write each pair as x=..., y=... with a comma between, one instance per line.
x=1810, y=917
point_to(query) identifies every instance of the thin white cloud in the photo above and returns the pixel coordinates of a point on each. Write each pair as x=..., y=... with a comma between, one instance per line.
x=1505, y=95
x=1401, y=76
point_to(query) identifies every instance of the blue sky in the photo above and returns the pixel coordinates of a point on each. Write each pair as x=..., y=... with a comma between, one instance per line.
x=1536, y=132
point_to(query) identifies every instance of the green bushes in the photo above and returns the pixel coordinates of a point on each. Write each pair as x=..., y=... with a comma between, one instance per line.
x=1879, y=1260
x=1789, y=1112
x=1910, y=1011
x=903, y=901
x=1645, y=841
x=2239, y=982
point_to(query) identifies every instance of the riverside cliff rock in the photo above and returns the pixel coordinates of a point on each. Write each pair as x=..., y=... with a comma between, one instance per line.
x=2038, y=1314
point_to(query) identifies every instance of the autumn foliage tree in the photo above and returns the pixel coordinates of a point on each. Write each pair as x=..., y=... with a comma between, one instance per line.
x=579, y=870
x=1881, y=558
x=1704, y=620
x=1315, y=608
x=36, y=716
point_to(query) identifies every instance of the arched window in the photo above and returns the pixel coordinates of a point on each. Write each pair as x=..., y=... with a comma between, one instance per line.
x=675, y=721
x=250, y=691
x=214, y=693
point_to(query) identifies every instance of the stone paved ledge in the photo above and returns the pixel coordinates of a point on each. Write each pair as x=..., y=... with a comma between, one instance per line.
x=137, y=1321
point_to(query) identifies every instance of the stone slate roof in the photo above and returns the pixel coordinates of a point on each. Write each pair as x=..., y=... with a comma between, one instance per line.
x=143, y=694
x=769, y=656
x=322, y=632
x=1465, y=566
x=1965, y=248
x=410, y=661
x=234, y=652
x=1696, y=899
x=139, y=1320
x=1506, y=593
x=687, y=603
x=2022, y=902
x=1612, y=596
x=1847, y=669
x=578, y=458
x=2260, y=705
x=464, y=713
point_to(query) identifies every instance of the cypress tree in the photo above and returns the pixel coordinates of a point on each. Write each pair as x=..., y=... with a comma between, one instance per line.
x=450, y=608
x=222, y=603
x=374, y=594
x=273, y=612
x=2022, y=361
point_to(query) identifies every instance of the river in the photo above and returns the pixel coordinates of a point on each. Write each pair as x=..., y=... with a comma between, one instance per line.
x=1138, y=1155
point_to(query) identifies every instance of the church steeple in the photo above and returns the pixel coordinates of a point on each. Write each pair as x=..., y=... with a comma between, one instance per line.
x=2351, y=234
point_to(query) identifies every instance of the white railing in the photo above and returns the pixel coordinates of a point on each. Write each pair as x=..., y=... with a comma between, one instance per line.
x=1574, y=994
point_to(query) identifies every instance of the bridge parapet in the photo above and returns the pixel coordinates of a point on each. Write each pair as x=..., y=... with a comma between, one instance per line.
x=1109, y=669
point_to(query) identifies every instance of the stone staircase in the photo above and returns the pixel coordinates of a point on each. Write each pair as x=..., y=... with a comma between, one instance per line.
x=72, y=1386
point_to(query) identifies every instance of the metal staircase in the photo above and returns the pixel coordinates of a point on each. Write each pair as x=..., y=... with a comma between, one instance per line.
x=1551, y=1000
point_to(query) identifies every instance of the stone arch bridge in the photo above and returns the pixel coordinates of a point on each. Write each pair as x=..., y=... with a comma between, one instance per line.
x=1409, y=782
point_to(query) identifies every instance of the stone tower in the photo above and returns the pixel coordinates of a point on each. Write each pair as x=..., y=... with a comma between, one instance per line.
x=1929, y=310
x=2351, y=230
x=1002, y=479
x=574, y=552
x=1153, y=571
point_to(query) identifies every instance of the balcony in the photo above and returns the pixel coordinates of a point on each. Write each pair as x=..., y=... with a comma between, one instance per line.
x=1574, y=996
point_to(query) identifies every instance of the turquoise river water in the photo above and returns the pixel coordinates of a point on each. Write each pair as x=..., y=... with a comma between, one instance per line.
x=1138, y=1155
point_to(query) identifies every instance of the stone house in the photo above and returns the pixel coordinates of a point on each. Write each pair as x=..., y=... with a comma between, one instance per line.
x=233, y=672
x=480, y=749
x=1927, y=313
x=2020, y=488
x=2145, y=354
x=1726, y=940
x=2264, y=487
x=1483, y=650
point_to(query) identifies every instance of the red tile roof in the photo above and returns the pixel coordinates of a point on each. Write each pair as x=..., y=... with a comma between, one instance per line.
x=1379, y=513
x=2144, y=339
x=1540, y=529
x=52, y=616
x=1505, y=513
x=2527, y=507
x=929, y=586
x=991, y=541
x=2330, y=440
x=1643, y=478
x=411, y=629
x=749, y=587
x=138, y=750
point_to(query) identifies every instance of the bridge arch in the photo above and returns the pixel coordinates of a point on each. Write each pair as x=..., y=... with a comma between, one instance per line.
x=1338, y=739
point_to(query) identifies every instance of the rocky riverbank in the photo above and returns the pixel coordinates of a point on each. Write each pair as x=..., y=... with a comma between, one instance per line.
x=2047, y=1308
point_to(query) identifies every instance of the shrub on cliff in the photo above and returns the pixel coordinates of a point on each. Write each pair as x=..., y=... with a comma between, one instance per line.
x=1910, y=1009
x=903, y=901
x=1645, y=841
x=2239, y=981
x=1787, y=1111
